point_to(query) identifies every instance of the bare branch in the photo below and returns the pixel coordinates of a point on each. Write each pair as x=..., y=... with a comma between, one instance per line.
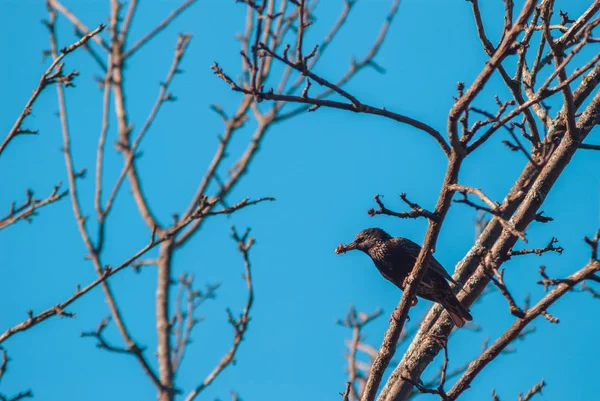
x=417, y=211
x=557, y=53
x=98, y=334
x=185, y=321
x=4, y=364
x=536, y=389
x=539, y=309
x=513, y=84
x=589, y=146
x=362, y=108
x=594, y=293
x=19, y=396
x=523, y=200
x=107, y=272
x=498, y=279
x=128, y=19
x=356, y=65
x=163, y=96
x=94, y=252
x=147, y=37
x=346, y=394
x=50, y=76
x=356, y=322
x=392, y=335
x=123, y=123
x=30, y=206
x=538, y=251
x=439, y=390
x=593, y=242
x=501, y=52
x=240, y=325
x=76, y=22
x=493, y=208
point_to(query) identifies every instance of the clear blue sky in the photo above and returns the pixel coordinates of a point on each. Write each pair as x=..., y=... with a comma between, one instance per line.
x=323, y=168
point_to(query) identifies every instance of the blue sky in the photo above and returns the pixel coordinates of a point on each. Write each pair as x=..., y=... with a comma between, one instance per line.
x=322, y=167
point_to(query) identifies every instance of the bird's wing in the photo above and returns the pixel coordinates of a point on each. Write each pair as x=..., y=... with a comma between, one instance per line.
x=413, y=249
x=438, y=268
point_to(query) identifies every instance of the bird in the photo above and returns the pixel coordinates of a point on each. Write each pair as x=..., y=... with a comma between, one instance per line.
x=395, y=258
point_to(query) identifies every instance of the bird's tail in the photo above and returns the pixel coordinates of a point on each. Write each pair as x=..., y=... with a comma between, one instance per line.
x=457, y=311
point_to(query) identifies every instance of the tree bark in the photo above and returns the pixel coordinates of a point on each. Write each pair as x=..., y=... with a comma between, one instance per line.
x=426, y=344
x=163, y=330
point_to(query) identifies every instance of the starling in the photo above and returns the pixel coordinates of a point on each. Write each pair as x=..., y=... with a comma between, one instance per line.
x=395, y=258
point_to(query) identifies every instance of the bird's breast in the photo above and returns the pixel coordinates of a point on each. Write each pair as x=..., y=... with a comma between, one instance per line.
x=393, y=273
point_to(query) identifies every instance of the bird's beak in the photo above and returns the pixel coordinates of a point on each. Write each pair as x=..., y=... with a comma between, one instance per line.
x=345, y=248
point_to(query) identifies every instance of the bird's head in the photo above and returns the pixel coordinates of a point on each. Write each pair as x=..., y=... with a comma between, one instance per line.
x=365, y=240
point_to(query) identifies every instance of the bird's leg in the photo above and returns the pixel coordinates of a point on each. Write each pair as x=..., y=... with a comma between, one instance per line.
x=395, y=315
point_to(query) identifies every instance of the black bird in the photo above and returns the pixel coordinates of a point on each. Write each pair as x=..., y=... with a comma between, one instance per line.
x=395, y=258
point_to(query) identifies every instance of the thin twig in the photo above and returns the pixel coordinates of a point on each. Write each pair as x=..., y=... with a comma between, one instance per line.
x=108, y=272
x=416, y=212
x=48, y=77
x=363, y=108
x=163, y=96
x=493, y=208
x=147, y=37
x=538, y=251
x=356, y=322
x=536, y=389
x=76, y=22
x=240, y=325
x=29, y=207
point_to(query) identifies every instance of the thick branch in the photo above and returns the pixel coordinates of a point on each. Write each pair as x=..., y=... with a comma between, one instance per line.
x=388, y=347
x=528, y=194
x=511, y=334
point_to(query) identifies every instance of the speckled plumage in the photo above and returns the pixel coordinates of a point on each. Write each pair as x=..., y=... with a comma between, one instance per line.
x=395, y=258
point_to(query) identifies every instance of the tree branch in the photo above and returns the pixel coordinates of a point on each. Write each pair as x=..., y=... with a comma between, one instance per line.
x=416, y=212
x=150, y=35
x=28, y=208
x=110, y=271
x=49, y=77
x=511, y=334
x=240, y=325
